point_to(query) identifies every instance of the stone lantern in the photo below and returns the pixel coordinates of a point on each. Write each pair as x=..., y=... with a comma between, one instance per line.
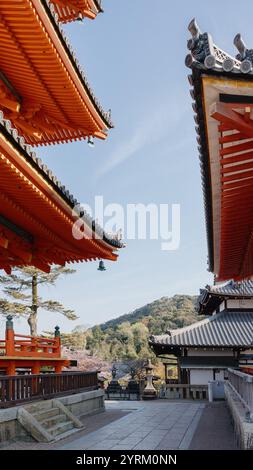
x=149, y=392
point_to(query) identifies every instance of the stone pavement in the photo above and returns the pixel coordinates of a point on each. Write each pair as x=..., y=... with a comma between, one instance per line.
x=215, y=429
x=152, y=425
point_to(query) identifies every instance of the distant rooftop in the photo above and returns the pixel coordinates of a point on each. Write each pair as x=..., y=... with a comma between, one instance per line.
x=212, y=296
x=228, y=329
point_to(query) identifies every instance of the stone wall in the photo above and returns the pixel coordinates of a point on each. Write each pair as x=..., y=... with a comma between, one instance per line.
x=85, y=403
x=80, y=404
x=242, y=426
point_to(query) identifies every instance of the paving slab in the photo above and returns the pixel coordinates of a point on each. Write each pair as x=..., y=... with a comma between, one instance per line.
x=215, y=429
x=160, y=424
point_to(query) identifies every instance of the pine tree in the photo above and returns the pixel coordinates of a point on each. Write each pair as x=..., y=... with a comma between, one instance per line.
x=21, y=288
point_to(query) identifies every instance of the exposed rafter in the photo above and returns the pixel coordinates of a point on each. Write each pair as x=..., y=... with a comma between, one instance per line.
x=223, y=103
x=63, y=106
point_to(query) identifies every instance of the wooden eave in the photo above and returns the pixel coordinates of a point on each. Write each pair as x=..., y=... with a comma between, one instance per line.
x=30, y=202
x=56, y=103
x=226, y=156
x=76, y=9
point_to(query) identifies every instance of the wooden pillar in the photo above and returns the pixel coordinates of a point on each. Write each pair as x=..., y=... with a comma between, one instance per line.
x=9, y=337
x=57, y=336
x=165, y=372
x=11, y=368
x=36, y=367
x=58, y=368
x=35, y=371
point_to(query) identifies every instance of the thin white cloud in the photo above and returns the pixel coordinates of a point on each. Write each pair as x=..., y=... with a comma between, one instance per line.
x=159, y=123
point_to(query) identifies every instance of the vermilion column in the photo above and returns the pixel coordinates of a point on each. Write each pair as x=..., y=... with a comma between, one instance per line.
x=9, y=337
x=57, y=335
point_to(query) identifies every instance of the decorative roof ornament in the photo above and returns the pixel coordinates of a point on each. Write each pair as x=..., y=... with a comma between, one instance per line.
x=245, y=55
x=200, y=46
x=206, y=55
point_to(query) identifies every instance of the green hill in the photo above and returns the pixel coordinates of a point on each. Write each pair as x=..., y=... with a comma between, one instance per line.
x=126, y=337
x=164, y=313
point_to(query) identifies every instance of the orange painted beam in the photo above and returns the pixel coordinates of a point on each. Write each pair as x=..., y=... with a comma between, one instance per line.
x=225, y=139
x=32, y=45
x=237, y=176
x=236, y=167
x=39, y=209
x=237, y=158
x=10, y=104
x=4, y=242
x=73, y=9
x=221, y=113
x=236, y=148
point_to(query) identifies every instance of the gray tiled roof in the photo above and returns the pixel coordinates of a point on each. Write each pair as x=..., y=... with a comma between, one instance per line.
x=212, y=296
x=226, y=329
x=232, y=288
x=208, y=56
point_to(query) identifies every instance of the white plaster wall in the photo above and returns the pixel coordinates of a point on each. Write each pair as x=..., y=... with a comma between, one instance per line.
x=221, y=308
x=240, y=303
x=209, y=352
x=200, y=376
x=219, y=375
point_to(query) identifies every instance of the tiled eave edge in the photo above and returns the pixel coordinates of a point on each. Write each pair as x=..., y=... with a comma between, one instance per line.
x=49, y=8
x=199, y=117
x=99, y=6
x=205, y=58
x=18, y=143
x=195, y=79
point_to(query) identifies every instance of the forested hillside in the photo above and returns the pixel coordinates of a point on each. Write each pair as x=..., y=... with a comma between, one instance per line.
x=126, y=337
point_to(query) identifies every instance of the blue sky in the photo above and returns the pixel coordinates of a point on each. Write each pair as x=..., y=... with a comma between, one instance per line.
x=133, y=55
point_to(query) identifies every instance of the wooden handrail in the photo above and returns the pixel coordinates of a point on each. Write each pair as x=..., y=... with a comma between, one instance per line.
x=24, y=388
x=36, y=338
x=16, y=345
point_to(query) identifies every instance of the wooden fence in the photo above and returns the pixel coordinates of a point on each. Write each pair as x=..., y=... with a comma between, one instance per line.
x=24, y=388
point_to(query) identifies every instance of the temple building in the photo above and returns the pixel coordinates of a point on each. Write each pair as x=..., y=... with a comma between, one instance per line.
x=43, y=90
x=222, y=93
x=223, y=339
x=44, y=99
x=71, y=10
x=38, y=213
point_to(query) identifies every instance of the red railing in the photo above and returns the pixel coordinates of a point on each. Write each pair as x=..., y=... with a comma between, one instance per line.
x=2, y=347
x=24, y=388
x=28, y=346
x=16, y=345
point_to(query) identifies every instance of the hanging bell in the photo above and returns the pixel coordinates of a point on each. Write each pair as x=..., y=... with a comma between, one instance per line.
x=91, y=141
x=101, y=266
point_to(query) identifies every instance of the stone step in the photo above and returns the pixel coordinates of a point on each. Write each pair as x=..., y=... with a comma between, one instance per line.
x=36, y=407
x=60, y=428
x=44, y=414
x=54, y=420
x=48, y=421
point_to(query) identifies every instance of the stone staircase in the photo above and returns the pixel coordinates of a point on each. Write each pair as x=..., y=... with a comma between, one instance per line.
x=48, y=420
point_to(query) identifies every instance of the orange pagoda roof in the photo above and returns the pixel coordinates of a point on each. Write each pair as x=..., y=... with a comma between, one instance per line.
x=43, y=91
x=222, y=90
x=37, y=213
x=71, y=10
